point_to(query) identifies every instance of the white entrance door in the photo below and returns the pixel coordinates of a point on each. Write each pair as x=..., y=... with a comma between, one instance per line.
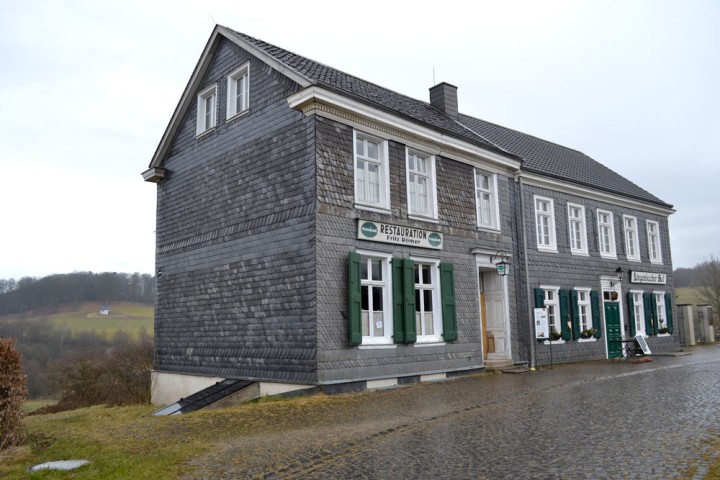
x=493, y=296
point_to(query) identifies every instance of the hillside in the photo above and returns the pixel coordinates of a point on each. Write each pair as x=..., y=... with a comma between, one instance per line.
x=125, y=316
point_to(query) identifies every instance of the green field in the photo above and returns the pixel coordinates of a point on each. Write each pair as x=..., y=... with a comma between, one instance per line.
x=125, y=316
x=687, y=296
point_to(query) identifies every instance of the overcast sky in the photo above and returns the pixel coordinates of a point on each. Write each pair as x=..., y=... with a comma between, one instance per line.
x=88, y=87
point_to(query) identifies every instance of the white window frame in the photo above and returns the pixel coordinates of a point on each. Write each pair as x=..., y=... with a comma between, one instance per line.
x=494, y=209
x=653, y=239
x=551, y=246
x=386, y=285
x=232, y=93
x=660, y=311
x=584, y=319
x=632, y=239
x=554, y=314
x=610, y=226
x=431, y=201
x=383, y=204
x=581, y=222
x=639, y=312
x=206, y=122
x=436, y=299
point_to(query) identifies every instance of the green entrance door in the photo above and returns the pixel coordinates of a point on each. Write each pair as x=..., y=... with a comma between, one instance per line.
x=613, y=330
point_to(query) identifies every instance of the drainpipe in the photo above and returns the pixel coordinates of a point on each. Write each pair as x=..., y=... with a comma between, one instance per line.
x=530, y=315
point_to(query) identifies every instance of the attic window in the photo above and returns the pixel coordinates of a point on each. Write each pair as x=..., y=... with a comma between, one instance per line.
x=238, y=83
x=206, y=109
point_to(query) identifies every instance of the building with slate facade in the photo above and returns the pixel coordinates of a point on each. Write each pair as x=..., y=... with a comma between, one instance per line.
x=315, y=229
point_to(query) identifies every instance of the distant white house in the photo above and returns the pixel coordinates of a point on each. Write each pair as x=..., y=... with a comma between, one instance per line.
x=105, y=310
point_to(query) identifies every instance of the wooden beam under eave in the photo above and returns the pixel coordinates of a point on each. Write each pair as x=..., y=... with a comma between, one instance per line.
x=154, y=174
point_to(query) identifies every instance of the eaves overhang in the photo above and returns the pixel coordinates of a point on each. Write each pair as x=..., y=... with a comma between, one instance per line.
x=319, y=100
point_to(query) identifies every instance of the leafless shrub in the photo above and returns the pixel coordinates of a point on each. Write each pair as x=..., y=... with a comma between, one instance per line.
x=13, y=392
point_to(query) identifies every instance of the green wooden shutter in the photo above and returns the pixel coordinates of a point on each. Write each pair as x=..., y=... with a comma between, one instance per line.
x=595, y=307
x=565, y=314
x=354, y=298
x=653, y=311
x=647, y=306
x=669, y=311
x=631, y=313
x=409, y=301
x=539, y=298
x=447, y=289
x=398, y=300
x=575, y=314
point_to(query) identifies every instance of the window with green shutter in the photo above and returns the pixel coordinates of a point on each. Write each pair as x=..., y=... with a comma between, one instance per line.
x=631, y=313
x=575, y=314
x=370, y=299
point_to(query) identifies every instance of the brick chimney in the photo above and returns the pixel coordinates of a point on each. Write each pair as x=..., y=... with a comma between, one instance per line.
x=443, y=96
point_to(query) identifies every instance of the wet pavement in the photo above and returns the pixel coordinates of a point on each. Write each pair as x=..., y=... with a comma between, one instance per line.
x=659, y=419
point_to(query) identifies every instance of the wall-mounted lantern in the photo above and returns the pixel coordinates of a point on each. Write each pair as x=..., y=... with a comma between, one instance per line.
x=619, y=274
x=503, y=266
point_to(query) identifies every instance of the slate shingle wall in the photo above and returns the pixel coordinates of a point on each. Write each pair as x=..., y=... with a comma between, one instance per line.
x=235, y=237
x=337, y=236
x=565, y=270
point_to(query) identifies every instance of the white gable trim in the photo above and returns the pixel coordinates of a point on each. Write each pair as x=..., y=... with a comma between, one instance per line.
x=317, y=100
x=594, y=194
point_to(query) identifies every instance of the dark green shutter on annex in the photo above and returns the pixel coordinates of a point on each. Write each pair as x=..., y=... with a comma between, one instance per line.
x=595, y=307
x=653, y=313
x=398, y=300
x=354, y=298
x=647, y=305
x=669, y=311
x=447, y=291
x=408, y=318
x=565, y=320
x=539, y=298
x=614, y=331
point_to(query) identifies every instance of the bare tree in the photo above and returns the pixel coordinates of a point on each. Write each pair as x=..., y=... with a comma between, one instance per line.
x=708, y=279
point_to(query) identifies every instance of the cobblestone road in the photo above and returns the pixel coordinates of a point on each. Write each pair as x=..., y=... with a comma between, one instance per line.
x=593, y=420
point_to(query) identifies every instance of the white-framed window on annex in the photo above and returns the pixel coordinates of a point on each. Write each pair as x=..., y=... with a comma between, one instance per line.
x=206, y=109
x=606, y=234
x=428, y=319
x=486, y=199
x=421, y=184
x=551, y=302
x=372, y=178
x=578, y=229
x=632, y=244
x=584, y=309
x=636, y=308
x=238, y=91
x=653, y=234
x=660, y=312
x=545, y=224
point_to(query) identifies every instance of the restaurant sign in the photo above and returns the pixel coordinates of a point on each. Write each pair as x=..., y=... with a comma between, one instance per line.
x=388, y=233
x=646, y=277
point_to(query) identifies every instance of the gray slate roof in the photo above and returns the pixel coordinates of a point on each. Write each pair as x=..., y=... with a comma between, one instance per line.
x=537, y=155
x=547, y=158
